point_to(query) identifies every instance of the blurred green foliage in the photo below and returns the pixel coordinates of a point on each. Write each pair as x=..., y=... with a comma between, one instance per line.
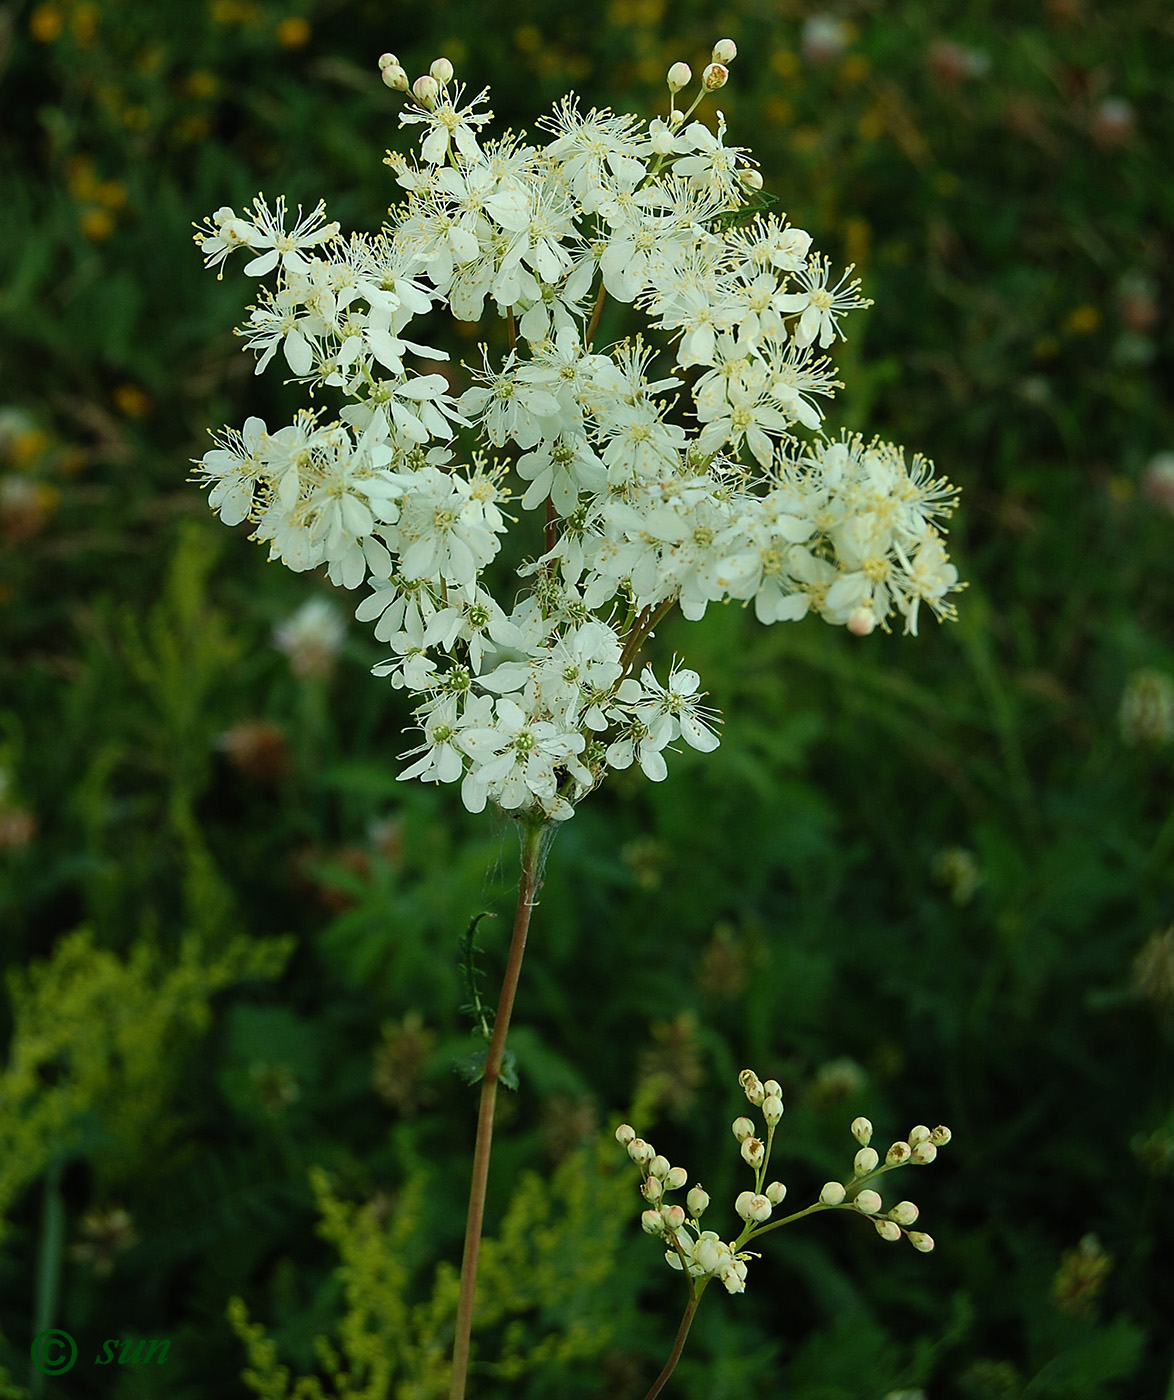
x=924, y=880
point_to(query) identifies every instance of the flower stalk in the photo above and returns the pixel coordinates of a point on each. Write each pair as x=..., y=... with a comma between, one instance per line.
x=534, y=836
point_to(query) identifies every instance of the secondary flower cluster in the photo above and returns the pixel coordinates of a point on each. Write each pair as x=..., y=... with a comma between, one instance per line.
x=683, y=486
x=703, y=1255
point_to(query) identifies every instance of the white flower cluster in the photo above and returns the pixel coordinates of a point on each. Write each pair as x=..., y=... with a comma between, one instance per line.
x=649, y=498
x=704, y=1255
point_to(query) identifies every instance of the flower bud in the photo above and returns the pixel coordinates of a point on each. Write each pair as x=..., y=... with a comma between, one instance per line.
x=441, y=70
x=675, y=1178
x=898, y=1154
x=866, y=1161
x=832, y=1194
x=709, y=1251
x=887, y=1230
x=752, y=1087
x=750, y=177
x=724, y=51
x=715, y=76
x=680, y=75
x=652, y=1223
x=659, y=1166
x=919, y=1134
x=673, y=1217
x=940, y=1136
x=388, y=60
x=753, y=1152
x=426, y=91
x=904, y=1213
x=861, y=622
x=661, y=137
x=652, y=1190
x=924, y=1153
x=625, y=1134
x=772, y=1086
x=775, y=1192
x=697, y=1200
x=772, y=1109
x=676, y=117
x=743, y=1128
x=395, y=78
x=751, y=1206
x=641, y=1152
x=919, y=1241
x=869, y=1202
x=862, y=1131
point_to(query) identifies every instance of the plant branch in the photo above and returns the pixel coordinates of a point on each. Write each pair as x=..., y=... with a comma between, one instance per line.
x=596, y=312
x=528, y=884
x=679, y=1345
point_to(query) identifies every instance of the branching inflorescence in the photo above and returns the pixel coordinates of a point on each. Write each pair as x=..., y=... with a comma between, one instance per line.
x=684, y=485
x=702, y=1253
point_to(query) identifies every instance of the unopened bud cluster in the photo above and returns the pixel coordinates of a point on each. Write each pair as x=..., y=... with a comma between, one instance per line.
x=918, y=1149
x=702, y=1252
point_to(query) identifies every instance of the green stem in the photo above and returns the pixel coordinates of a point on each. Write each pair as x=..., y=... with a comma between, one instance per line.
x=49, y=1262
x=679, y=1345
x=532, y=848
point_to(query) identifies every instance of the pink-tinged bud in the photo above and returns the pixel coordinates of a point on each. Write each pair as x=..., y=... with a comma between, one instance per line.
x=743, y=1128
x=862, y=1131
x=866, y=1161
x=940, y=1136
x=832, y=1194
x=904, y=1213
x=395, y=78
x=775, y=1193
x=753, y=1152
x=887, y=1230
x=388, y=60
x=652, y=1190
x=715, y=76
x=898, y=1154
x=772, y=1109
x=652, y=1223
x=918, y=1134
x=752, y=1086
x=675, y=1179
x=869, y=1202
x=751, y=1206
x=724, y=51
x=923, y=1154
x=641, y=1152
x=919, y=1241
x=659, y=1166
x=426, y=91
x=441, y=70
x=625, y=1134
x=680, y=75
x=750, y=177
x=861, y=622
x=697, y=1200
x=673, y=1217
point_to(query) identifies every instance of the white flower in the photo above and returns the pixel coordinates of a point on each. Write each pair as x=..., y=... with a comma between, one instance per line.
x=312, y=637
x=447, y=124
x=820, y=306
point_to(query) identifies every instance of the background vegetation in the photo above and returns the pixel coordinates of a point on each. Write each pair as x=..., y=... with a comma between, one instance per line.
x=927, y=880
